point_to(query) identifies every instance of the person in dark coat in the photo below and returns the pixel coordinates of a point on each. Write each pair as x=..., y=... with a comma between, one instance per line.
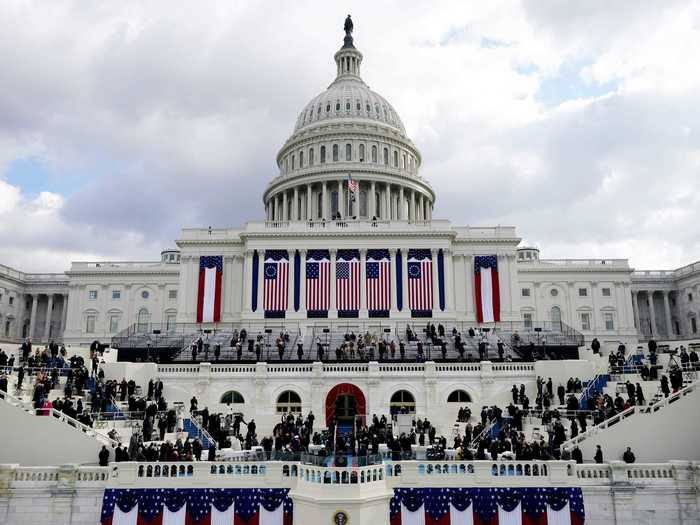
x=664, y=386
x=104, y=456
x=561, y=392
x=628, y=456
x=598, y=458
x=577, y=455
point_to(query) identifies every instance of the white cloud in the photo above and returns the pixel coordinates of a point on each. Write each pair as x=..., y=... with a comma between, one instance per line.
x=154, y=116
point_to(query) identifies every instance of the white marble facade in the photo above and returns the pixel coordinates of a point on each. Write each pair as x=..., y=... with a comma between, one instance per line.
x=349, y=130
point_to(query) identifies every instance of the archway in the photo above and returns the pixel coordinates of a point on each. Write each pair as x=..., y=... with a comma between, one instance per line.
x=341, y=398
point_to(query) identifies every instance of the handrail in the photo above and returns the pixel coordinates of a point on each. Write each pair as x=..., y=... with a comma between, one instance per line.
x=27, y=407
x=635, y=409
x=203, y=432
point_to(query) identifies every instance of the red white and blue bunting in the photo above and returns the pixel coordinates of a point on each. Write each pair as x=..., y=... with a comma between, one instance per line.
x=487, y=506
x=196, y=507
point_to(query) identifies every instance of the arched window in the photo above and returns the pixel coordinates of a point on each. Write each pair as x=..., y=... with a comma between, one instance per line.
x=335, y=153
x=359, y=106
x=404, y=161
x=328, y=108
x=396, y=159
x=301, y=159
x=348, y=152
x=323, y=154
x=142, y=320
x=555, y=315
x=337, y=106
x=368, y=108
x=347, y=105
x=311, y=157
x=288, y=401
x=286, y=164
x=232, y=397
x=362, y=152
x=386, y=157
x=374, y=154
x=294, y=162
x=402, y=401
x=459, y=396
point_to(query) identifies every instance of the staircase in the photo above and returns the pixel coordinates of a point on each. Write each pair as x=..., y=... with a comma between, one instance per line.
x=594, y=386
x=195, y=431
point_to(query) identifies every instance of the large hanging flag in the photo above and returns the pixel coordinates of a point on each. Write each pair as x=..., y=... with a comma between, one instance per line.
x=276, y=277
x=487, y=506
x=209, y=291
x=318, y=280
x=486, y=289
x=347, y=282
x=196, y=506
x=420, y=282
x=378, y=286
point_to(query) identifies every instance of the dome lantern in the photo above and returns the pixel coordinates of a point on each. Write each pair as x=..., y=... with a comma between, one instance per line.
x=348, y=58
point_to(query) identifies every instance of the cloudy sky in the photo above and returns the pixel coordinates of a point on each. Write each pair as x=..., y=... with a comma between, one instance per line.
x=121, y=122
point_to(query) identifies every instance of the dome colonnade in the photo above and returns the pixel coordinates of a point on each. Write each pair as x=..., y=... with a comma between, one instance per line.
x=348, y=132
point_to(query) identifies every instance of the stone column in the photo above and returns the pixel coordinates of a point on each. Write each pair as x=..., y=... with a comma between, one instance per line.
x=32, y=318
x=372, y=200
x=295, y=205
x=363, y=280
x=47, y=322
x=324, y=204
x=635, y=310
x=302, y=282
x=652, y=312
x=469, y=279
x=387, y=200
x=667, y=312
x=436, y=281
x=401, y=211
x=308, y=202
x=449, y=279
x=421, y=210
x=412, y=207
x=285, y=207
x=247, y=281
x=19, y=320
x=332, y=308
x=261, y=280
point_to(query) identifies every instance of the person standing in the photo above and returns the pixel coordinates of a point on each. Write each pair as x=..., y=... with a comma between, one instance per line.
x=598, y=458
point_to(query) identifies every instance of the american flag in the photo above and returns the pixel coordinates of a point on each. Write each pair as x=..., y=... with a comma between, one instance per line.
x=492, y=506
x=196, y=506
x=420, y=280
x=347, y=280
x=318, y=280
x=276, y=280
x=353, y=185
x=378, y=283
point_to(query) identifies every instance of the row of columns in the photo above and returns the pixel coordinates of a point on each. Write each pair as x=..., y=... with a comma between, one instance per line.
x=654, y=331
x=391, y=205
x=448, y=281
x=32, y=331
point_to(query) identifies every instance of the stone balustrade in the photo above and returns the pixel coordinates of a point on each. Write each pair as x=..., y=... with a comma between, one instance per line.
x=387, y=475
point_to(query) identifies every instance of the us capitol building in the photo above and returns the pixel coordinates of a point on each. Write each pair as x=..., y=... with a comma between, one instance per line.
x=349, y=135
x=349, y=245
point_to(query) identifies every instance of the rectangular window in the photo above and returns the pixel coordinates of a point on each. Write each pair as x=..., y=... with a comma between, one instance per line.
x=172, y=294
x=92, y=295
x=690, y=297
x=170, y=323
x=585, y=321
x=525, y=292
x=116, y=294
x=0, y=297
x=606, y=292
x=583, y=292
x=527, y=321
x=114, y=324
x=694, y=325
x=609, y=321
x=11, y=301
x=90, y=324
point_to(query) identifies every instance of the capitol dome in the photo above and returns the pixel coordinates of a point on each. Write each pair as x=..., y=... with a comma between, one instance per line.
x=348, y=137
